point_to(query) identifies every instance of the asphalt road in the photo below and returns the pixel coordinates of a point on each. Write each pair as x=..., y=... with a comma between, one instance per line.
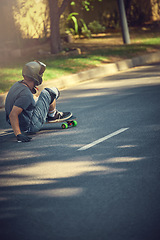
x=57, y=187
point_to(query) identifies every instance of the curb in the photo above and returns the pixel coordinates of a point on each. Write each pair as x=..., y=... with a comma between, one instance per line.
x=106, y=70
x=102, y=71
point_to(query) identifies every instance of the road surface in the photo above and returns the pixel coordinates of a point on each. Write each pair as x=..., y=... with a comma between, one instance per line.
x=96, y=181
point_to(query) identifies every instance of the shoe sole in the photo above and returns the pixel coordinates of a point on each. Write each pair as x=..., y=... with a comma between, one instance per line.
x=60, y=120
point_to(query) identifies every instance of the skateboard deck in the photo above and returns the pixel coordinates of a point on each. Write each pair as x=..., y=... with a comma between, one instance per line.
x=70, y=122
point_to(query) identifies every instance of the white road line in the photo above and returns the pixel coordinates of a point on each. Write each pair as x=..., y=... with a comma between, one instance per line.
x=102, y=139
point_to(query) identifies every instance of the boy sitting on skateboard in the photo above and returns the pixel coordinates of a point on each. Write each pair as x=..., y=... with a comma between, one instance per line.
x=22, y=112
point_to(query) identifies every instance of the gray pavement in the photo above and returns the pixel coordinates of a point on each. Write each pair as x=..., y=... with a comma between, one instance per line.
x=51, y=190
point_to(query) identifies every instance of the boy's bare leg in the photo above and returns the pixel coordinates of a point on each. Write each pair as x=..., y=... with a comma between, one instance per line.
x=52, y=106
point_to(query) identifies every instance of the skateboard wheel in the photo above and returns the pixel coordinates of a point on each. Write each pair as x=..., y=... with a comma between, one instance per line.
x=64, y=125
x=74, y=123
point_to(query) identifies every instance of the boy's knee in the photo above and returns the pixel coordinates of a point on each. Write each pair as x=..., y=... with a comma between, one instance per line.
x=54, y=93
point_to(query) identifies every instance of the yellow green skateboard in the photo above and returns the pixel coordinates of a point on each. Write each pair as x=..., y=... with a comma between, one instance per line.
x=66, y=123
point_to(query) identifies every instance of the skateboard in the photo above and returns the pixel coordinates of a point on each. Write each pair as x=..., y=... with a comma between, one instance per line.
x=70, y=122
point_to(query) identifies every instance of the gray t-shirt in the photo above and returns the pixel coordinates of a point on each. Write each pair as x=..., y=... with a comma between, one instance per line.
x=20, y=95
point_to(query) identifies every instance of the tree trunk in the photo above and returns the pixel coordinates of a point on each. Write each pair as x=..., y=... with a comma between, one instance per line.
x=55, y=13
x=54, y=26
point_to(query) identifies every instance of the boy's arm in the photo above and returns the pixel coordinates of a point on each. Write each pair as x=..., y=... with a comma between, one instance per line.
x=14, y=120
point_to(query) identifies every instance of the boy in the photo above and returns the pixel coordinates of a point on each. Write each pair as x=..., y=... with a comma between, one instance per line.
x=22, y=112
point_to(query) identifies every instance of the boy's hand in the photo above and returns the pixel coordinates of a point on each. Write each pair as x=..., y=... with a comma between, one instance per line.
x=23, y=138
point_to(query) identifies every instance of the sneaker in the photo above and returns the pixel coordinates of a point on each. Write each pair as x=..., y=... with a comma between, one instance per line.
x=59, y=116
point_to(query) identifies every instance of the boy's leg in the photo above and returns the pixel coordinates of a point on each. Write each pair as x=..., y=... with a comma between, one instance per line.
x=44, y=103
x=52, y=108
x=53, y=114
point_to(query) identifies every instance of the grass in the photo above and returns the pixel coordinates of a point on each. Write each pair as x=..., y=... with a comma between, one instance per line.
x=95, y=51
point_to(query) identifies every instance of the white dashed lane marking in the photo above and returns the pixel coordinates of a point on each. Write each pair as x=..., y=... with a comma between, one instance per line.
x=102, y=139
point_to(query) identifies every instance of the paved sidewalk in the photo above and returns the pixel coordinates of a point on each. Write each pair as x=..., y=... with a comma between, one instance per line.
x=105, y=70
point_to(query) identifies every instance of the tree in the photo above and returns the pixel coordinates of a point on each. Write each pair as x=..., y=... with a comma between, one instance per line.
x=56, y=8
